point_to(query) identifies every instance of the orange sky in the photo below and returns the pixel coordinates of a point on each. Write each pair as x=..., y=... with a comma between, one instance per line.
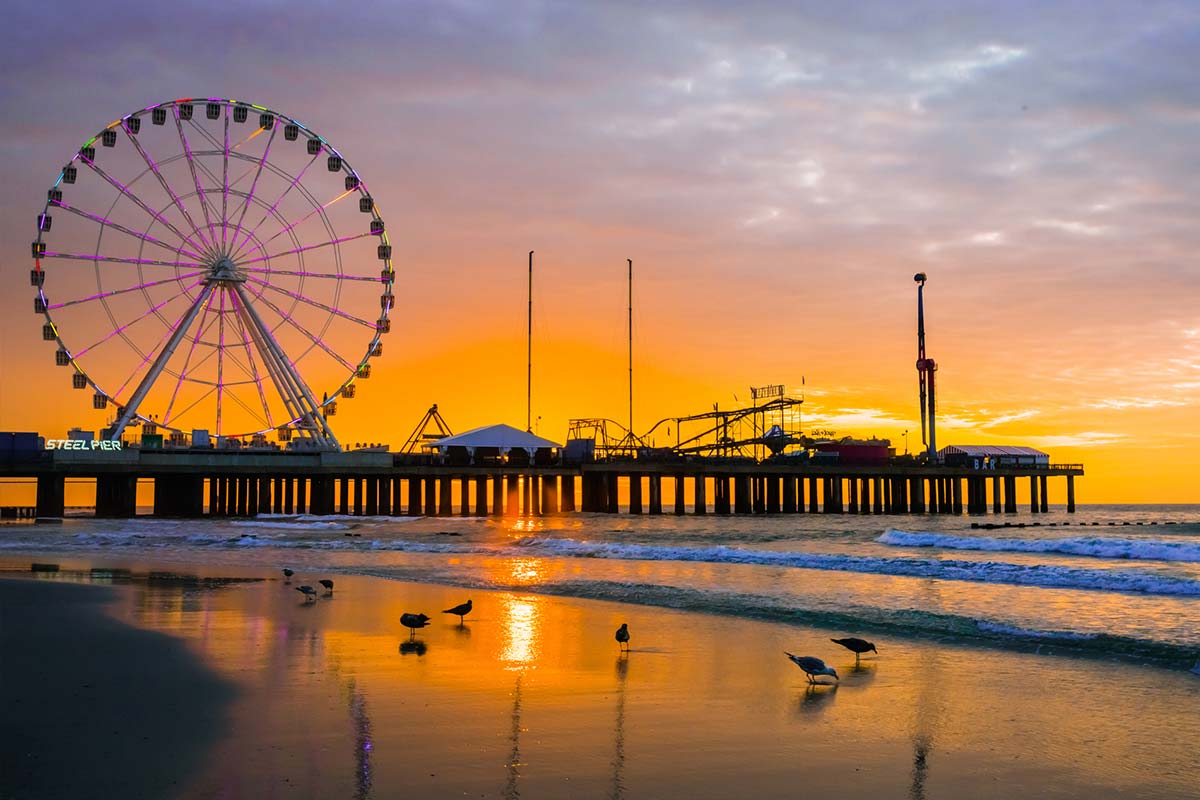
x=777, y=178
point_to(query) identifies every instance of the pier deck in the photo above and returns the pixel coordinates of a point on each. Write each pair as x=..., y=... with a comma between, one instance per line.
x=244, y=483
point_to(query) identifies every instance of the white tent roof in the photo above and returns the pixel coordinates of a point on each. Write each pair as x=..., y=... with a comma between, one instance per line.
x=505, y=437
x=975, y=451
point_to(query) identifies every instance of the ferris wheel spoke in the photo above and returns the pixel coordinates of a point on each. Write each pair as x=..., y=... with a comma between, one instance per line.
x=164, y=355
x=119, y=259
x=318, y=210
x=145, y=358
x=254, y=185
x=220, y=358
x=288, y=378
x=314, y=339
x=120, y=187
x=167, y=332
x=137, y=145
x=225, y=186
x=102, y=295
x=148, y=312
x=245, y=407
x=308, y=301
x=306, y=248
x=295, y=181
x=144, y=237
x=341, y=276
x=201, y=197
x=250, y=358
x=271, y=364
x=187, y=361
x=194, y=403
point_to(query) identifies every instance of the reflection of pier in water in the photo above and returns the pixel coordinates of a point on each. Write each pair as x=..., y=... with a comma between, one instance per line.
x=928, y=711
x=522, y=619
x=618, y=763
x=362, y=741
x=512, y=789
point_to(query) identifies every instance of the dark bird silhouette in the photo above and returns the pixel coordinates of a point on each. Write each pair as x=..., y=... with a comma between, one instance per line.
x=328, y=584
x=813, y=667
x=287, y=575
x=856, y=646
x=461, y=610
x=310, y=594
x=414, y=621
x=622, y=636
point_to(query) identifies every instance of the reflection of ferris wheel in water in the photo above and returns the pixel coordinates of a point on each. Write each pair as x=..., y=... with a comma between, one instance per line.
x=194, y=255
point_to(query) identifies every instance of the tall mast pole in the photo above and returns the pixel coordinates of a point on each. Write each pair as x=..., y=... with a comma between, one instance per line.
x=529, y=355
x=926, y=367
x=630, y=260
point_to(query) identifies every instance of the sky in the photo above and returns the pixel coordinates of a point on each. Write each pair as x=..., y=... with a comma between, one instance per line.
x=776, y=171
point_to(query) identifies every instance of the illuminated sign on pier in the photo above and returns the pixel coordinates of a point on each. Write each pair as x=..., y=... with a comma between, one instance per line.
x=82, y=444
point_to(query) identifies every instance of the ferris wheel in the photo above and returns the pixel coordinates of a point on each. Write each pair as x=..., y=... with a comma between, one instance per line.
x=208, y=264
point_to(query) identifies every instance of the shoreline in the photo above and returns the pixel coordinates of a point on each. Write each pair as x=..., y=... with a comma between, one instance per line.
x=531, y=698
x=94, y=706
x=950, y=630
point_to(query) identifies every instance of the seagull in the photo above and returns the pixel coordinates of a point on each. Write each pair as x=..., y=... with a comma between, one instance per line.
x=813, y=667
x=328, y=584
x=310, y=594
x=622, y=636
x=856, y=646
x=287, y=575
x=461, y=610
x=414, y=621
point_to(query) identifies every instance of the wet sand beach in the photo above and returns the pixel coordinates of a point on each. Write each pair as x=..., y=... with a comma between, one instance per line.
x=531, y=698
x=94, y=707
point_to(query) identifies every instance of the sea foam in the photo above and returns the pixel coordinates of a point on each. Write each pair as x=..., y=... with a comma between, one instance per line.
x=1043, y=575
x=1094, y=546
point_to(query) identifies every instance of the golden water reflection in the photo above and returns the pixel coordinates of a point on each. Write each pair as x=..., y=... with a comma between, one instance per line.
x=522, y=618
x=525, y=571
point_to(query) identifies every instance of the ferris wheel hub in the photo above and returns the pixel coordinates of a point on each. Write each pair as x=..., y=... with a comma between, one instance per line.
x=224, y=270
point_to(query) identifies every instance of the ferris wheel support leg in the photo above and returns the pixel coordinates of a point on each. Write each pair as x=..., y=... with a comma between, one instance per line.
x=320, y=430
x=291, y=401
x=159, y=364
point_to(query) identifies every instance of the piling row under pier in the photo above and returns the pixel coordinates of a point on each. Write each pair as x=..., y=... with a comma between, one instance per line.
x=595, y=488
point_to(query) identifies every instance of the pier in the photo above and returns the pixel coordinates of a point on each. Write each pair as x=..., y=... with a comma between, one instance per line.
x=241, y=484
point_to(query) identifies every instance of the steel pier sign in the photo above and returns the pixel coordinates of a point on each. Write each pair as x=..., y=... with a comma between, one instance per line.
x=82, y=444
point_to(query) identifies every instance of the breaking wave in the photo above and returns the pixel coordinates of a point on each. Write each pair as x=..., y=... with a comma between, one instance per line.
x=1094, y=546
x=1043, y=575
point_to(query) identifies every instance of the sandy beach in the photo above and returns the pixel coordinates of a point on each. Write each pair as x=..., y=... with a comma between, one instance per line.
x=161, y=689
x=94, y=707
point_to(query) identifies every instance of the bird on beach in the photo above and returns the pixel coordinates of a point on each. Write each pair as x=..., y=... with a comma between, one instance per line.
x=461, y=610
x=287, y=575
x=856, y=646
x=813, y=667
x=328, y=584
x=622, y=636
x=310, y=594
x=414, y=621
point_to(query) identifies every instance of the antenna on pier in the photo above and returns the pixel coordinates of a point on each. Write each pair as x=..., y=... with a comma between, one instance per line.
x=926, y=367
x=529, y=355
x=630, y=346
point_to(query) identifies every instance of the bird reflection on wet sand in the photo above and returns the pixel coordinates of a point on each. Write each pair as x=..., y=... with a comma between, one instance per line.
x=618, y=762
x=816, y=699
x=413, y=646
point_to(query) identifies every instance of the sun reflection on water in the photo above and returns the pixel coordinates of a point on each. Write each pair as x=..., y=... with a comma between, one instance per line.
x=526, y=571
x=522, y=619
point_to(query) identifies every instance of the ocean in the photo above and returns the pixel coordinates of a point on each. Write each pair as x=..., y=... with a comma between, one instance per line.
x=1109, y=581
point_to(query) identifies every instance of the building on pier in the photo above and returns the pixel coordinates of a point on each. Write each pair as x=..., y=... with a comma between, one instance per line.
x=990, y=456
